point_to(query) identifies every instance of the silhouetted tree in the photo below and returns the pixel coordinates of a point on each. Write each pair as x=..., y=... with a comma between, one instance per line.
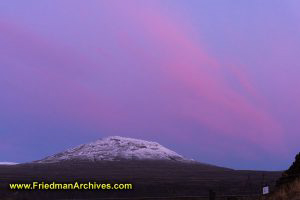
x=292, y=173
x=295, y=167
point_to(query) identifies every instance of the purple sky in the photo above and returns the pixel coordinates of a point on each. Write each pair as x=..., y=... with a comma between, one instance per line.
x=213, y=80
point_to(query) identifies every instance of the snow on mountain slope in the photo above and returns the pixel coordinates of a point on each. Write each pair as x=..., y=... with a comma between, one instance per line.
x=116, y=148
x=8, y=163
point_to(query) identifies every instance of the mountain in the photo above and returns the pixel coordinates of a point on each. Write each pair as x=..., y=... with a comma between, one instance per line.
x=8, y=163
x=154, y=171
x=117, y=148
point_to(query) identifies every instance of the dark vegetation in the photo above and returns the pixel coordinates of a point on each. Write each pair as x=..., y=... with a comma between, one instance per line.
x=288, y=186
x=292, y=173
x=149, y=178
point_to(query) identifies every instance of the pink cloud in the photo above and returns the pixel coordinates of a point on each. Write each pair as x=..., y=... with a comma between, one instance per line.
x=46, y=78
x=213, y=101
x=209, y=99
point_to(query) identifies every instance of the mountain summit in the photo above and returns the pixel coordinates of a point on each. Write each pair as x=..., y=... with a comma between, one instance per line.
x=116, y=148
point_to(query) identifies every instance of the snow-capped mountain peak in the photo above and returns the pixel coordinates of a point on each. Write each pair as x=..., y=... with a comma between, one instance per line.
x=116, y=148
x=8, y=163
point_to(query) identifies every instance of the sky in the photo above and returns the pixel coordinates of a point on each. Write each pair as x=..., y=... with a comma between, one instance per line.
x=216, y=81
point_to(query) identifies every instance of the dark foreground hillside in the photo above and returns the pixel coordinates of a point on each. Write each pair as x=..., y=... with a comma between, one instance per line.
x=149, y=179
x=288, y=186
